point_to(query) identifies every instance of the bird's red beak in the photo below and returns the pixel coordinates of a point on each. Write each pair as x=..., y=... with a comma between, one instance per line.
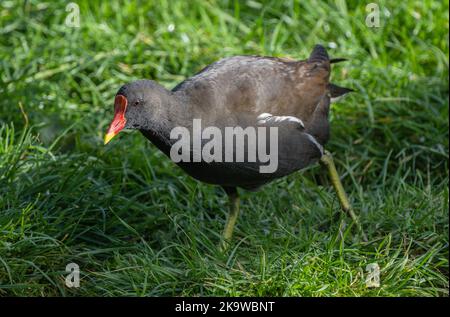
x=118, y=123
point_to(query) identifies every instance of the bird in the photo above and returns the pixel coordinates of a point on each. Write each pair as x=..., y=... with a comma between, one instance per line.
x=286, y=100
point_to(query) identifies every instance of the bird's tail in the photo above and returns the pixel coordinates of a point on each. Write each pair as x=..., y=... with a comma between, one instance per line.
x=336, y=91
x=319, y=54
x=337, y=60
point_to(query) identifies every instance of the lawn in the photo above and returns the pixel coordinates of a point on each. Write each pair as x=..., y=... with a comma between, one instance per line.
x=138, y=226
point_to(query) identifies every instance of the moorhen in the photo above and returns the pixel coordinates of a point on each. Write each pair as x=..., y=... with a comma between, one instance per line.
x=244, y=92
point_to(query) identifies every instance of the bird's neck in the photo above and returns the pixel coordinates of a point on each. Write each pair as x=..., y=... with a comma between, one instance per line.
x=175, y=111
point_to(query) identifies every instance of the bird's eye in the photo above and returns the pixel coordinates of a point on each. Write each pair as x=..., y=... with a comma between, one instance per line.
x=137, y=102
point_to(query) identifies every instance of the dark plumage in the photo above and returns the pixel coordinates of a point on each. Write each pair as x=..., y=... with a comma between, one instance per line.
x=245, y=91
x=234, y=92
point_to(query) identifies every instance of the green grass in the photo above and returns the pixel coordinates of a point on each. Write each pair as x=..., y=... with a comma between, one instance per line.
x=136, y=225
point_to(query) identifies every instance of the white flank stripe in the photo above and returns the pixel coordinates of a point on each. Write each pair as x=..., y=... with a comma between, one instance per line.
x=267, y=118
x=313, y=140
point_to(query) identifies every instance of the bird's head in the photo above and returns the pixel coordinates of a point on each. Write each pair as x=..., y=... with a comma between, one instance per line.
x=135, y=106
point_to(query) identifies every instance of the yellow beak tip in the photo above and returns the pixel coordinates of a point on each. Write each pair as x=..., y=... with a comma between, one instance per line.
x=108, y=137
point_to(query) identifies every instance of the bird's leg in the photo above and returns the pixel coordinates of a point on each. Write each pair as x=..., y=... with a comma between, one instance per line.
x=233, y=214
x=327, y=161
